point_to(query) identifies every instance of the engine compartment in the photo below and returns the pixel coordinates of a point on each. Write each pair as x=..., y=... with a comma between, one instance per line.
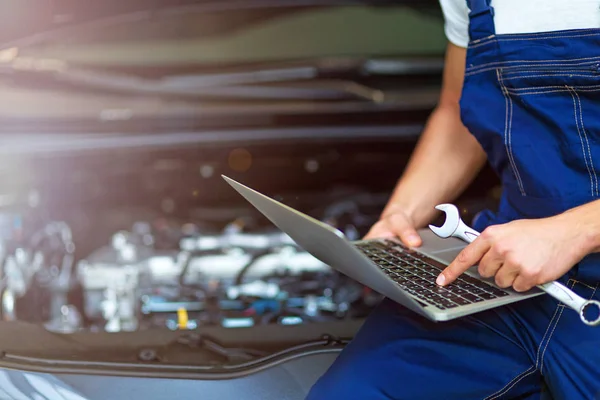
x=161, y=274
x=154, y=239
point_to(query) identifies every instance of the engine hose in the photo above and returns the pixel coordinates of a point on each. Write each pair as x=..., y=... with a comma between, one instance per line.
x=255, y=256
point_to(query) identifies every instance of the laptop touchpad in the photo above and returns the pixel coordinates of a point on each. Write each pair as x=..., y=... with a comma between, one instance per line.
x=447, y=256
x=444, y=250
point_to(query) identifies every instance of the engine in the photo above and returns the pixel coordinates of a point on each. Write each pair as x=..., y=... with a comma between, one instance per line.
x=233, y=278
x=176, y=274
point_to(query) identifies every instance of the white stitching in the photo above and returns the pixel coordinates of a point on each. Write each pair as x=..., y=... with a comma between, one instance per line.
x=565, y=71
x=480, y=40
x=530, y=67
x=535, y=62
x=594, y=292
x=539, y=92
x=548, y=75
x=483, y=70
x=508, y=39
x=474, y=46
x=555, y=87
x=477, y=69
x=548, y=342
x=501, y=39
x=511, y=384
x=528, y=372
x=581, y=139
x=492, y=66
x=562, y=62
x=527, y=36
x=550, y=91
x=552, y=333
x=475, y=72
x=517, y=175
x=510, y=146
x=571, y=62
x=508, y=132
x=587, y=143
x=547, y=328
x=585, y=284
x=507, y=389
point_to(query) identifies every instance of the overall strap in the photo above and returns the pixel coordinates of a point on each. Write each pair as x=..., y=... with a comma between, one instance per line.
x=481, y=19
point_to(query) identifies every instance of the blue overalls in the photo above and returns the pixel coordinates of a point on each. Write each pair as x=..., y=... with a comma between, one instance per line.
x=533, y=102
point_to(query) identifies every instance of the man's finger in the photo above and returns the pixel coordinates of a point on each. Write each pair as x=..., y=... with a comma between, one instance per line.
x=506, y=276
x=522, y=284
x=379, y=234
x=410, y=237
x=402, y=227
x=489, y=264
x=468, y=257
x=380, y=230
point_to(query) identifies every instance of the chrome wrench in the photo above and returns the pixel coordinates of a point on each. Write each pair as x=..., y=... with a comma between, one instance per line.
x=454, y=226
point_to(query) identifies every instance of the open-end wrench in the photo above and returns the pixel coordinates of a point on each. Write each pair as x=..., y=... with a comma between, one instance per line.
x=454, y=226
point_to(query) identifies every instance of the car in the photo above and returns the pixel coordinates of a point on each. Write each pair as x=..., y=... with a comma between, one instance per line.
x=130, y=269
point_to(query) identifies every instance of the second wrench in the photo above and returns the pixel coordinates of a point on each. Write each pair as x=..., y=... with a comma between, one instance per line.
x=454, y=226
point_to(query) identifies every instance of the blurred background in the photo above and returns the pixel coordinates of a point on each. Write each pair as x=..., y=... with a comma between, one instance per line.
x=118, y=118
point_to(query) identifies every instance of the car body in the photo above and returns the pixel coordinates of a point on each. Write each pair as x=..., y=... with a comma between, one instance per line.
x=117, y=122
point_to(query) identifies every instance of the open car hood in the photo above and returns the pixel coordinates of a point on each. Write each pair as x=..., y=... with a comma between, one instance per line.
x=120, y=62
x=23, y=23
x=123, y=60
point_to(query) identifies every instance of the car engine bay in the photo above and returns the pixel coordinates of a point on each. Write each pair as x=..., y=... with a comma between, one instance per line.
x=106, y=255
x=181, y=276
x=128, y=266
x=98, y=251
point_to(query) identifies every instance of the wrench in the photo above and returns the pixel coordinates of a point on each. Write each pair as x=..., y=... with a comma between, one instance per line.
x=454, y=226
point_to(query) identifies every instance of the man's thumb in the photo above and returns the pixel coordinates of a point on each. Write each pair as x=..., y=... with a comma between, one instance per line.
x=410, y=237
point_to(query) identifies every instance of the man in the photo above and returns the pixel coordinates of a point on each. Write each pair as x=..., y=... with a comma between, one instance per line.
x=521, y=90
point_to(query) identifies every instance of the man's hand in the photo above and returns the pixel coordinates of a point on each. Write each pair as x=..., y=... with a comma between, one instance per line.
x=395, y=223
x=446, y=156
x=522, y=253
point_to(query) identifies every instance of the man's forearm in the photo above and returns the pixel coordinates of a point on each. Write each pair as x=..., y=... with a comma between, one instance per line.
x=583, y=223
x=446, y=159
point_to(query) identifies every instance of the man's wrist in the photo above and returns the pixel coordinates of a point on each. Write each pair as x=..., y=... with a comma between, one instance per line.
x=409, y=211
x=584, y=224
x=392, y=208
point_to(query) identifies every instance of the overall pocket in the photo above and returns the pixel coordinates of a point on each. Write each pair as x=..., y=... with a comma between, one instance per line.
x=553, y=134
x=551, y=74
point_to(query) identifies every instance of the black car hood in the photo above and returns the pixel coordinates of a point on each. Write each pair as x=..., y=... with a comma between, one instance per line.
x=25, y=24
x=67, y=60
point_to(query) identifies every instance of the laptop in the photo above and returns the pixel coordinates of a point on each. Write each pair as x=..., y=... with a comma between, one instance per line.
x=404, y=275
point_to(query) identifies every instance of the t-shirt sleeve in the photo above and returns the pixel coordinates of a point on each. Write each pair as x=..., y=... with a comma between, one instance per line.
x=456, y=25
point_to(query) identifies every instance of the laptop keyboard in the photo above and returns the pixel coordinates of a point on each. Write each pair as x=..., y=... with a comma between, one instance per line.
x=416, y=274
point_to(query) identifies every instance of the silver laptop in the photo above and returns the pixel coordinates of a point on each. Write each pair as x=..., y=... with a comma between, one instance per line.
x=402, y=274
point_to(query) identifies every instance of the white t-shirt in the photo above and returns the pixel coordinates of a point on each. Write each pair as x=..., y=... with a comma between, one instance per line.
x=523, y=16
